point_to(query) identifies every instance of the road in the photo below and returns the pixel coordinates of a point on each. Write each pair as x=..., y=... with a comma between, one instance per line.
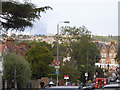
x=106, y=89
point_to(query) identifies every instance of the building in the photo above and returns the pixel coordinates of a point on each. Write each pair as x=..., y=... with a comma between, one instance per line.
x=108, y=52
x=18, y=49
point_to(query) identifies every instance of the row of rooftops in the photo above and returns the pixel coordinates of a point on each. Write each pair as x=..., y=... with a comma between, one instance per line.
x=9, y=42
x=107, y=45
x=99, y=44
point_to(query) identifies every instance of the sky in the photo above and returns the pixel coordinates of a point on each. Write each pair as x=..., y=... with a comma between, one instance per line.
x=99, y=16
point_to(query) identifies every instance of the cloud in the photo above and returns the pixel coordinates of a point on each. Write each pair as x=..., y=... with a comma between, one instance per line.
x=91, y=1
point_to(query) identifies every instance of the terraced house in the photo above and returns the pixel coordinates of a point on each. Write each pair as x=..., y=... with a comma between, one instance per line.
x=108, y=52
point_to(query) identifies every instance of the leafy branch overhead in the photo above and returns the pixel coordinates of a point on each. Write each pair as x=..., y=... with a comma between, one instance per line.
x=18, y=16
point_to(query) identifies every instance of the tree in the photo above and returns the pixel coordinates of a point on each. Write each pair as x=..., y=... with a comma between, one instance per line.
x=16, y=68
x=40, y=59
x=12, y=18
x=74, y=33
x=13, y=35
x=71, y=70
x=85, y=54
x=118, y=55
x=100, y=73
x=82, y=50
x=63, y=50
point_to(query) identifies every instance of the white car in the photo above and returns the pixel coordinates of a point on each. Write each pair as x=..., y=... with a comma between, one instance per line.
x=64, y=88
x=112, y=87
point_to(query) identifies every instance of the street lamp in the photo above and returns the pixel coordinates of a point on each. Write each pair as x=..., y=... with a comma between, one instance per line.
x=58, y=37
x=58, y=44
x=86, y=74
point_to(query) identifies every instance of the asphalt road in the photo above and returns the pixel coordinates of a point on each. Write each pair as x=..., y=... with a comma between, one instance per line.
x=106, y=89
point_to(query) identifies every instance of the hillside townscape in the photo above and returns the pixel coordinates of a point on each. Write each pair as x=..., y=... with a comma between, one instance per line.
x=73, y=57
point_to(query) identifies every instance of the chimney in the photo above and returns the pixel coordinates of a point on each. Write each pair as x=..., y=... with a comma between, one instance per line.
x=112, y=43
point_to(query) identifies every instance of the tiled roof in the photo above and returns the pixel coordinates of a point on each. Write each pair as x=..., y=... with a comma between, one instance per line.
x=100, y=45
x=10, y=39
x=16, y=49
x=23, y=48
x=107, y=46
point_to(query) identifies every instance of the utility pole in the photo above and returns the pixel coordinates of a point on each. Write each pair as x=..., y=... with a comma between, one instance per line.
x=15, y=82
x=86, y=74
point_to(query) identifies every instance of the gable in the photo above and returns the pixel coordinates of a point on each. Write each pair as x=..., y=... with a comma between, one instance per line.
x=103, y=49
x=112, y=48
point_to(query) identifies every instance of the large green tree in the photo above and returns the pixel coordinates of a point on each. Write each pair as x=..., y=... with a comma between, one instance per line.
x=86, y=55
x=16, y=68
x=18, y=16
x=40, y=59
x=82, y=50
x=69, y=69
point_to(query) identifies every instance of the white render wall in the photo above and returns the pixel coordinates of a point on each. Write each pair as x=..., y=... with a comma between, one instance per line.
x=106, y=65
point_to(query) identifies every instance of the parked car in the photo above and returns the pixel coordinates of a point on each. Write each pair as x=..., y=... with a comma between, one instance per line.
x=90, y=86
x=112, y=87
x=64, y=88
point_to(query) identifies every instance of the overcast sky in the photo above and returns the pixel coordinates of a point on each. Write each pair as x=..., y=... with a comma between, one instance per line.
x=99, y=16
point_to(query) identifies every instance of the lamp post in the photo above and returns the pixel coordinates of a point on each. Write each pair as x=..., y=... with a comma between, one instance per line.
x=86, y=74
x=58, y=37
x=58, y=44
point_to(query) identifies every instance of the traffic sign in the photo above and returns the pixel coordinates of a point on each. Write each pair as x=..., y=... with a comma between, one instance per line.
x=57, y=72
x=57, y=67
x=56, y=62
x=66, y=77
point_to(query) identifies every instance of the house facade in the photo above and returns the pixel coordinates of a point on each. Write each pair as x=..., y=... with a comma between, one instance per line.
x=108, y=52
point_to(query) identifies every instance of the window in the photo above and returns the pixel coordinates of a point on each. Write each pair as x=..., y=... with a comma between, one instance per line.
x=111, y=50
x=103, y=50
x=103, y=55
x=112, y=61
x=110, y=55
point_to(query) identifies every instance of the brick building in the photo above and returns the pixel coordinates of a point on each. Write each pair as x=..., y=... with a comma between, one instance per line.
x=18, y=49
x=108, y=52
